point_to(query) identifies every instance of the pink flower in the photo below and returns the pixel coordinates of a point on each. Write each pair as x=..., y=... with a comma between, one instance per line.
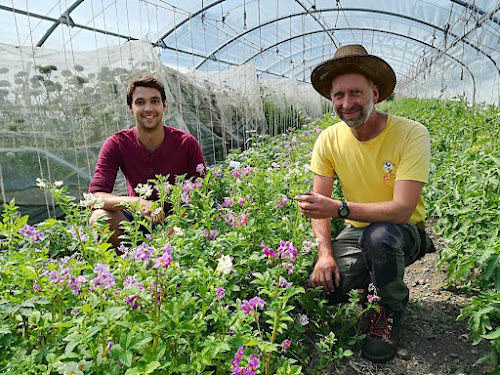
x=248, y=307
x=286, y=344
x=270, y=253
x=200, y=168
x=287, y=250
x=228, y=202
x=221, y=292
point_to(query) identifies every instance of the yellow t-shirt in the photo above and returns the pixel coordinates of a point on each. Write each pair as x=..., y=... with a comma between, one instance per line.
x=367, y=170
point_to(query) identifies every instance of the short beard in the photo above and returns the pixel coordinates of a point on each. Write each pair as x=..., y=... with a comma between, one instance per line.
x=365, y=113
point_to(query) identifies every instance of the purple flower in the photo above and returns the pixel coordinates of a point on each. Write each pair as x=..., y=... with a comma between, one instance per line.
x=200, y=168
x=236, y=172
x=373, y=298
x=241, y=201
x=287, y=250
x=282, y=202
x=110, y=345
x=306, y=247
x=104, y=277
x=286, y=344
x=185, y=197
x=248, y=307
x=253, y=364
x=237, y=357
x=217, y=173
x=36, y=286
x=235, y=220
x=31, y=232
x=143, y=252
x=132, y=301
x=76, y=283
x=212, y=235
x=228, y=202
x=84, y=237
x=221, y=292
x=270, y=253
x=163, y=261
x=283, y=283
x=288, y=266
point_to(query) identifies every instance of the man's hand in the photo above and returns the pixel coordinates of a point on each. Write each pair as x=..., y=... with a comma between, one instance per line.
x=326, y=274
x=157, y=216
x=317, y=206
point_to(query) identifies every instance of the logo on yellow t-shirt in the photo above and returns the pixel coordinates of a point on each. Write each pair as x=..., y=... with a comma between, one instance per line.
x=388, y=168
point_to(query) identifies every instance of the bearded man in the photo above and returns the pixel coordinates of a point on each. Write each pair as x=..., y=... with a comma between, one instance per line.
x=382, y=162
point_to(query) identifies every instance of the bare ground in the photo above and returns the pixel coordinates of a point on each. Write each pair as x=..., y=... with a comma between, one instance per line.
x=433, y=341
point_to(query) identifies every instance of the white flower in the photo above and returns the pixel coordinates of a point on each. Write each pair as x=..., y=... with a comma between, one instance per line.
x=225, y=265
x=178, y=231
x=69, y=368
x=303, y=319
x=144, y=191
x=307, y=167
x=41, y=183
x=90, y=200
x=84, y=365
x=58, y=184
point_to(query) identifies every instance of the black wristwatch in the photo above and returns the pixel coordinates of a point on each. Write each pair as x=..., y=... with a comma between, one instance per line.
x=343, y=210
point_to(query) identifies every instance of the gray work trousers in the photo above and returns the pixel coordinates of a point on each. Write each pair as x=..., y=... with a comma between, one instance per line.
x=376, y=254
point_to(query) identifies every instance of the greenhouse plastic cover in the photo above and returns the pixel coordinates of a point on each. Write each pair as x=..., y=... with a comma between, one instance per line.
x=65, y=66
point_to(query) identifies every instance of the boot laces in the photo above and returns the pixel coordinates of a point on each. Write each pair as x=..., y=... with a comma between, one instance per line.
x=380, y=325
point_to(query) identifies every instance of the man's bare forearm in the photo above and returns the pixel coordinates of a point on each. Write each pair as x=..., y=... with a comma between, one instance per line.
x=114, y=202
x=322, y=231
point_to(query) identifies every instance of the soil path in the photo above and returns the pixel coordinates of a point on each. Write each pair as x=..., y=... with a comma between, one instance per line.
x=433, y=341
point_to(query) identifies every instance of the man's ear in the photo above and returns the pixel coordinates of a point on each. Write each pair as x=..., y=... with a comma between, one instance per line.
x=376, y=93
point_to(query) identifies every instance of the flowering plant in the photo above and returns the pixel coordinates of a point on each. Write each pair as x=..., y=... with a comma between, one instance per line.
x=183, y=296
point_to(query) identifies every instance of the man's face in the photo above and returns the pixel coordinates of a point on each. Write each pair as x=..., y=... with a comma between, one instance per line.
x=147, y=108
x=353, y=98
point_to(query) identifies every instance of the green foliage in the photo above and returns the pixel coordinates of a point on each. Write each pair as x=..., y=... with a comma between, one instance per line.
x=464, y=196
x=174, y=301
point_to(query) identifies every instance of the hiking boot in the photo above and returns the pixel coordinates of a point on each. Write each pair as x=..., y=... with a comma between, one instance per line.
x=383, y=336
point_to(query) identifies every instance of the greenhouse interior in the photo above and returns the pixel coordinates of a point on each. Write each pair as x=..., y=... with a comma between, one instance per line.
x=237, y=74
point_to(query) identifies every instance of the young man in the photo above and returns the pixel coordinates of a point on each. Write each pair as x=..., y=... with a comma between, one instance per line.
x=382, y=162
x=141, y=153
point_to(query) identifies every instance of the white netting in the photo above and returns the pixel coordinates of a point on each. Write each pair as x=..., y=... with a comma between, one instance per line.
x=58, y=107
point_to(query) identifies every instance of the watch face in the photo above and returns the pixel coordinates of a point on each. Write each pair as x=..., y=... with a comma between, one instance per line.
x=343, y=212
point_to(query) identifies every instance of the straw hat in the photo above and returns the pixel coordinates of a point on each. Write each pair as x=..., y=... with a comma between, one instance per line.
x=354, y=59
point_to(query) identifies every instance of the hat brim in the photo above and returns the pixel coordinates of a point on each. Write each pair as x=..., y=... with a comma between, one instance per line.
x=373, y=67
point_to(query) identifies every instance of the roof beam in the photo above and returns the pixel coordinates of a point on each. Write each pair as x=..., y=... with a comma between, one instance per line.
x=377, y=31
x=58, y=21
x=469, y=43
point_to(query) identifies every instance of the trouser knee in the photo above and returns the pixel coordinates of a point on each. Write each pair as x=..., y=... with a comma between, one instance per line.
x=382, y=247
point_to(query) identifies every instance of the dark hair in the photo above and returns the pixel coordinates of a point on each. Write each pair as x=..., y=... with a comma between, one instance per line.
x=145, y=81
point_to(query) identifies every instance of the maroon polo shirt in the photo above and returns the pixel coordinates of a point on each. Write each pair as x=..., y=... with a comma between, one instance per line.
x=178, y=154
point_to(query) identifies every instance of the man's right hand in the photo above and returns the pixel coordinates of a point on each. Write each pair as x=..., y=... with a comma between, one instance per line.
x=326, y=274
x=146, y=210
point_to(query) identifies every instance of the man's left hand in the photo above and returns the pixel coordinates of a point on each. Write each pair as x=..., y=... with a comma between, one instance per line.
x=317, y=206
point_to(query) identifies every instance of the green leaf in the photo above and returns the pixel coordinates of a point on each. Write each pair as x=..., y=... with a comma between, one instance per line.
x=125, y=357
x=492, y=335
